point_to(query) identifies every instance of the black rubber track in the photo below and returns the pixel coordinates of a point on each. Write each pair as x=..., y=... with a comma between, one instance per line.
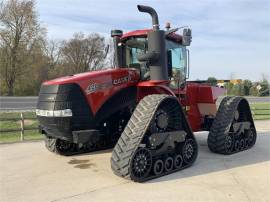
x=133, y=134
x=223, y=121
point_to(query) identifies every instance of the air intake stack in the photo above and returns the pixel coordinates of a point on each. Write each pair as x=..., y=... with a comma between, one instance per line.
x=156, y=55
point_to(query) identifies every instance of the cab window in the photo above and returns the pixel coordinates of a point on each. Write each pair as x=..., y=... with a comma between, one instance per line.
x=134, y=47
x=178, y=62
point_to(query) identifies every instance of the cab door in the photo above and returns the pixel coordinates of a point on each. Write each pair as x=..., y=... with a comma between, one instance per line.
x=177, y=63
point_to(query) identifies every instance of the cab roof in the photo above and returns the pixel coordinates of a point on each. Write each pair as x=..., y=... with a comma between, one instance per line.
x=143, y=33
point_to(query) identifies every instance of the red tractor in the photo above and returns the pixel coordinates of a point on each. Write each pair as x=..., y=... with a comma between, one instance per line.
x=144, y=108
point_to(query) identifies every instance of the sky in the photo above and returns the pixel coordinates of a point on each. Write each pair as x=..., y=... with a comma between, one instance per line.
x=231, y=38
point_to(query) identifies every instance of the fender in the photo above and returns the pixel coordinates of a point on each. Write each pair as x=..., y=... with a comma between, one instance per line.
x=153, y=87
x=120, y=100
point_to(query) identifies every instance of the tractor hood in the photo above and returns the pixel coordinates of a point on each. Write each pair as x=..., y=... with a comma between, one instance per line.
x=96, y=86
x=102, y=75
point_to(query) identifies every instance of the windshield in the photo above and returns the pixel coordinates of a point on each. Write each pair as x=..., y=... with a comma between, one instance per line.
x=178, y=61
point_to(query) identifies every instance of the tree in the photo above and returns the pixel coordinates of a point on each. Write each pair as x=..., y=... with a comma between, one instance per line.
x=19, y=30
x=52, y=52
x=236, y=90
x=212, y=81
x=246, y=85
x=81, y=54
x=253, y=90
x=264, y=90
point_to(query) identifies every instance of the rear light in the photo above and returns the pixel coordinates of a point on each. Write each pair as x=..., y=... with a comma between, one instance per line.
x=54, y=113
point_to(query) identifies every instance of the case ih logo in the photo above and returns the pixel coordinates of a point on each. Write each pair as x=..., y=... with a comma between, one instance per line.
x=94, y=87
x=121, y=80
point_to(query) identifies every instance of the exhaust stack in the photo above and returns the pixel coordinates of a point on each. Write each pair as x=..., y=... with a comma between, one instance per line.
x=156, y=55
x=152, y=12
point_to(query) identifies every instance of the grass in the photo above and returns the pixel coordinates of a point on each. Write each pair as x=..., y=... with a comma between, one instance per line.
x=15, y=136
x=261, y=111
x=17, y=114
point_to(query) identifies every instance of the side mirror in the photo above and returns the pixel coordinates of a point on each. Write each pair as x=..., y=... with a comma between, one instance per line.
x=187, y=37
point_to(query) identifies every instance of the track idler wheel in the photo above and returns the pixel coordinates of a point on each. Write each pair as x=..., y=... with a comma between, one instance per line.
x=158, y=167
x=141, y=164
x=189, y=151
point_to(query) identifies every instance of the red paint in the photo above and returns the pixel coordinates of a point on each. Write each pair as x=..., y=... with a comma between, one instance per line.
x=96, y=99
x=143, y=33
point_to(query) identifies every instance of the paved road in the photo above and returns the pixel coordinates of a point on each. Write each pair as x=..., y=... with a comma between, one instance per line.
x=252, y=99
x=17, y=103
x=30, y=173
x=29, y=103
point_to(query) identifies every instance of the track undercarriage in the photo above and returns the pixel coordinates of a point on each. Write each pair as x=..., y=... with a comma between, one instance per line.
x=156, y=141
x=233, y=129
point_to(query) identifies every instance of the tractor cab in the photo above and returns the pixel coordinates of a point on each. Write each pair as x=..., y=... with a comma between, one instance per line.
x=129, y=47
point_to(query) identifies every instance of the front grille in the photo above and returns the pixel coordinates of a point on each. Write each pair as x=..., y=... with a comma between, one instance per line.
x=60, y=97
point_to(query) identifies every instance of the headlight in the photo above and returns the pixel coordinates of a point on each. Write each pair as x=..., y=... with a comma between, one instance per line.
x=54, y=113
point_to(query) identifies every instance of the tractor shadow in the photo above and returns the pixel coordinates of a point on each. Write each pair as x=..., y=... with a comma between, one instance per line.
x=86, y=163
x=208, y=162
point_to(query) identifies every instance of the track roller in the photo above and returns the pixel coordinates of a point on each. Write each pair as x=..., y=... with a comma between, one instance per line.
x=233, y=129
x=178, y=161
x=158, y=167
x=168, y=165
x=158, y=130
